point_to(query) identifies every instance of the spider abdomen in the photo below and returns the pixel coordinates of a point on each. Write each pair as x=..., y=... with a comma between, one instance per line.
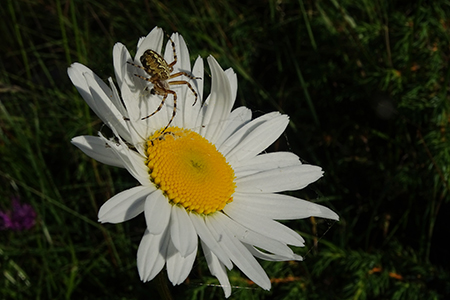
x=155, y=65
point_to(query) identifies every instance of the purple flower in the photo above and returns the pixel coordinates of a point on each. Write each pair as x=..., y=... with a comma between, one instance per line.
x=20, y=217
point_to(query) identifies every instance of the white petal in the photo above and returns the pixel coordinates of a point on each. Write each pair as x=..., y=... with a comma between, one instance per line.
x=115, y=98
x=179, y=267
x=264, y=226
x=240, y=135
x=282, y=179
x=98, y=149
x=281, y=207
x=198, y=71
x=185, y=96
x=182, y=231
x=264, y=162
x=219, y=103
x=256, y=238
x=151, y=255
x=120, y=58
x=124, y=206
x=217, y=269
x=232, y=78
x=183, y=59
x=238, y=253
x=153, y=41
x=98, y=96
x=271, y=257
x=130, y=91
x=157, y=212
x=238, y=118
x=190, y=112
x=257, y=139
x=207, y=237
x=75, y=72
x=131, y=160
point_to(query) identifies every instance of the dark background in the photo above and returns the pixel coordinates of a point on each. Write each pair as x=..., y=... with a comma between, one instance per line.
x=365, y=84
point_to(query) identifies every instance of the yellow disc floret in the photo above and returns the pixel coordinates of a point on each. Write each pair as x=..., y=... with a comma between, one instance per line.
x=189, y=170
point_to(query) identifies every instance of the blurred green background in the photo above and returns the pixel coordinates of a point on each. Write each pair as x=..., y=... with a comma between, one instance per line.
x=365, y=84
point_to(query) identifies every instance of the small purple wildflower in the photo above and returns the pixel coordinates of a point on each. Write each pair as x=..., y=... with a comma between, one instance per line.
x=20, y=217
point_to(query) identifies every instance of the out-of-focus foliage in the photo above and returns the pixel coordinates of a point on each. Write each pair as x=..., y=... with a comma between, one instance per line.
x=365, y=84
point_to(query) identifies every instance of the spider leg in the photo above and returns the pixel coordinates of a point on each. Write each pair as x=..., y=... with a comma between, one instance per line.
x=145, y=78
x=189, y=86
x=135, y=65
x=159, y=107
x=174, y=54
x=167, y=92
x=174, y=108
x=183, y=73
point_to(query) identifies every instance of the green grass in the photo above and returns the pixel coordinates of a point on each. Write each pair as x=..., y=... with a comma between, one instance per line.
x=365, y=84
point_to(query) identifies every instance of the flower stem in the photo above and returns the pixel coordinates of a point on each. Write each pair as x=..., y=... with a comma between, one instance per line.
x=161, y=285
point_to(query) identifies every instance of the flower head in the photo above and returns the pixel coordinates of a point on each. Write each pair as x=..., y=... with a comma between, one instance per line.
x=204, y=176
x=20, y=217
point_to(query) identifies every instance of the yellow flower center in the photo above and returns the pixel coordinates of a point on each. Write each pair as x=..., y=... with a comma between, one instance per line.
x=189, y=170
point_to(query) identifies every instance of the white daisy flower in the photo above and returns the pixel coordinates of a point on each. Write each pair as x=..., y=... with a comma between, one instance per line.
x=206, y=175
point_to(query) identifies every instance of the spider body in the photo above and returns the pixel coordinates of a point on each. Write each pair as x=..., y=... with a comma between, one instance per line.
x=155, y=65
x=160, y=73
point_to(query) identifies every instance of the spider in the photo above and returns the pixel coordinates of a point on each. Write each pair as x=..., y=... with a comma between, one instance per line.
x=160, y=72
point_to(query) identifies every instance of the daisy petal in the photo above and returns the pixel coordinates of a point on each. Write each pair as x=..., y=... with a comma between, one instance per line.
x=238, y=118
x=124, y=206
x=182, y=231
x=271, y=257
x=219, y=103
x=264, y=226
x=257, y=139
x=115, y=98
x=281, y=207
x=217, y=269
x=232, y=78
x=207, y=238
x=131, y=160
x=120, y=57
x=96, y=148
x=278, y=180
x=265, y=162
x=183, y=59
x=157, y=212
x=151, y=255
x=191, y=109
x=263, y=241
x=154, y=41
x=97, y=95
x=179, y=267
x=233, y=143
x=240, y=256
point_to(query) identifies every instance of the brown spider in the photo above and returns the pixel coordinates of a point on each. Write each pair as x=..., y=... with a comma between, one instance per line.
x=160, y=72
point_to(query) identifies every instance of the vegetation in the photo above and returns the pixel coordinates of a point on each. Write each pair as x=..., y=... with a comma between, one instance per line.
x=366, y=85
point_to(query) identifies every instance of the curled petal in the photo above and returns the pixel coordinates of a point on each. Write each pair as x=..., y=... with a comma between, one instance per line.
x=217, y=269
x=179, y=267
x=124, y=206
x=151, y=254
x=98, y=149
x=219, y=103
